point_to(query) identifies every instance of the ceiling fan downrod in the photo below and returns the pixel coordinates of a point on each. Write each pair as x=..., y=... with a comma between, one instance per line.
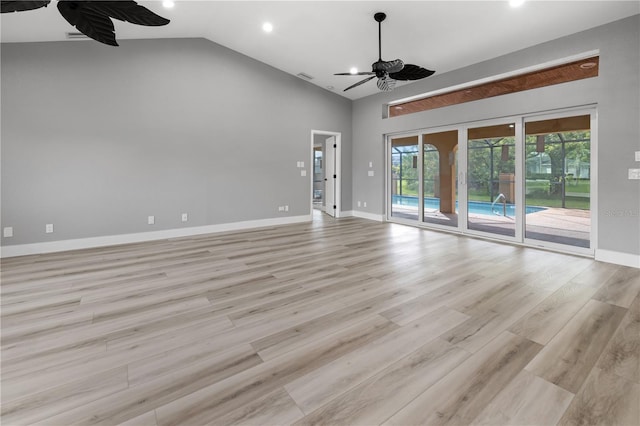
x=379, y=17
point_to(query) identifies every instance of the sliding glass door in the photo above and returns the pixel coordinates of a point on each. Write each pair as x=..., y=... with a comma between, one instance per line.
x=440, y=187
x=491, y=179
x=423, y=179
x=558, y=180
x=405, y=178
x=521, y=179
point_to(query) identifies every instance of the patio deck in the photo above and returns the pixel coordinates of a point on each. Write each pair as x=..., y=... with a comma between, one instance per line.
x=556, y=225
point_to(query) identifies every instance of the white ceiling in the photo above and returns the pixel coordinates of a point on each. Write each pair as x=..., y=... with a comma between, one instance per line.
x=320, y=38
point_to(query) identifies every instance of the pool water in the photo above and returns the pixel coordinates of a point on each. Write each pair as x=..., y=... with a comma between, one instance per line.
x=476, y=207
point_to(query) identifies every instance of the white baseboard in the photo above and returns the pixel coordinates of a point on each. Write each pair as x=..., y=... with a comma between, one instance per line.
x=365, y=215
x=625, y=259
x=111, y=240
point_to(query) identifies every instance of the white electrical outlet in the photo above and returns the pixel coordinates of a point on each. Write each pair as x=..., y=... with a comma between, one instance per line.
x=359, y=203
x=370, y=172
x=185, y=217
x=303, y=172
x=634, y=174
x=8, y=232
x=48, y=228
x=151, y=220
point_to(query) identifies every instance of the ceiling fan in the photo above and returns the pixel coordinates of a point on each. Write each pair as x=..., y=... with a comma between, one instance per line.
x=388, y=72
x=93, y=18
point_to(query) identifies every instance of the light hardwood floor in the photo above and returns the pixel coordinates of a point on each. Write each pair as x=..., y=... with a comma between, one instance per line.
x=336, y=322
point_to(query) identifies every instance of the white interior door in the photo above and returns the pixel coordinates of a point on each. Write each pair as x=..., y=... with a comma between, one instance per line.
x=330, y=176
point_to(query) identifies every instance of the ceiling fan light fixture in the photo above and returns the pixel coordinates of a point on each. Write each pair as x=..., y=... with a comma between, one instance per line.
x=516, y=3
x=386, y=84
x=353, y=71
x=168, y=4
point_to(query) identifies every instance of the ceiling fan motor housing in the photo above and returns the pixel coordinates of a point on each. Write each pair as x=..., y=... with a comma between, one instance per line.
x=382, y=68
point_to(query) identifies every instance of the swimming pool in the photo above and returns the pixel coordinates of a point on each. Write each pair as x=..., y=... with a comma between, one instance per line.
x=476, y=207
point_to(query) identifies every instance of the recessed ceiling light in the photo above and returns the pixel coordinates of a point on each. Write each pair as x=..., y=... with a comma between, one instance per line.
x=516, y=3
x=353, y=70
x=588, y=65
x=267, y=27
x=168, y=4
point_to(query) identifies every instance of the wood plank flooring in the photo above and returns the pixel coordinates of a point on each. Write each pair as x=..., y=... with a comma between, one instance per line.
x=334, y=322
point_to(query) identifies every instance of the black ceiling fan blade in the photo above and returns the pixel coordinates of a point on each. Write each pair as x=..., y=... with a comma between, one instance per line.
x=88, y=21
x=21, y=6
x=411, y=72
x=360, y=82
x=358, y=73
x=128, y=11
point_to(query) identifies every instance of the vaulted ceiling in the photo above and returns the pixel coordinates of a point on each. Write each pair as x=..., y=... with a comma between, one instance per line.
x=320, y=38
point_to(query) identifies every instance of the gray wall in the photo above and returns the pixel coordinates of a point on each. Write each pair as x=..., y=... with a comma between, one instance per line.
x=95, y=138
x=616, y=92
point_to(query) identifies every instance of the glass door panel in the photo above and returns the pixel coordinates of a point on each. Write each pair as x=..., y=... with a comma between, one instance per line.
x=440, y=189
x=491, y=179
x=557, y=180
x=405, y=179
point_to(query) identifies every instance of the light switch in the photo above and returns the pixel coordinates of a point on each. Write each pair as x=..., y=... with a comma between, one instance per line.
x=370, y=172
x=151, y=220
x=634, y=174
x=185, y=217
x=48, y=228
x=637, y=155
x=302, y=164
x=8, y=232
x=370, y=163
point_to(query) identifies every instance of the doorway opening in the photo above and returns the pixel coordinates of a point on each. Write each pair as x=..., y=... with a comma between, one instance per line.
x=326, y=177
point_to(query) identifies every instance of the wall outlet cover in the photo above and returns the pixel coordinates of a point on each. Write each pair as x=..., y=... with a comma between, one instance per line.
x=48, y=228
x=7, y=232
x=185, y=217
x=303, y=172
x=637, y=155
x=370, y=172
x=151, y=220
x=634, y=174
